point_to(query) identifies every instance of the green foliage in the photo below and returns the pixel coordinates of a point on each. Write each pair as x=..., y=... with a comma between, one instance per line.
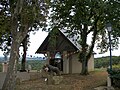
x=26, y=14
x=35, y=64
x=115, y=73
x=116, y=66
x=115, y=76
x=81, y=17
x=85, y=16
x=5, y=43
x=4, y=23
x=5, y=39
x=104, y=61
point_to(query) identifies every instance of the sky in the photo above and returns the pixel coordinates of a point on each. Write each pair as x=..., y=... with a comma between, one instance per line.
x=114, y=52
x=35, y=42
x=37, y=39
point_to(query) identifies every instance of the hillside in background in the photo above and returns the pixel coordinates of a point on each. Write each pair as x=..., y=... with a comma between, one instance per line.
x=2, y=59
x=104, y=61
x=35, y=62
x=38, y=62
x=36, y=58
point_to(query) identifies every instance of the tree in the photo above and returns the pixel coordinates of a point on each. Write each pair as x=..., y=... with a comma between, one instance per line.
x=24, y=44
x=82, y=17
x=5, y=43
x=5, y=37
x=23, y=15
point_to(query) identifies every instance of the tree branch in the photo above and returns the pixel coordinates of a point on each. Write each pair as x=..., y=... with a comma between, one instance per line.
x=94, y=38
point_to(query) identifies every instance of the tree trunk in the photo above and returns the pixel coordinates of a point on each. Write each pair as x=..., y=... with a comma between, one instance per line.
x=84, y=45
x=84, y=70
x=84, y=60
x=9, y=83
x=23, y=62
x=11, y=73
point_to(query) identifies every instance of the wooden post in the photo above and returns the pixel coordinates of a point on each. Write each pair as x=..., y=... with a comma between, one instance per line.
x=65, y=63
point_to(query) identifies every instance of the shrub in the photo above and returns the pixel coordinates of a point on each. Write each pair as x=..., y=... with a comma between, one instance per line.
x=116, y=66
x=115, y=76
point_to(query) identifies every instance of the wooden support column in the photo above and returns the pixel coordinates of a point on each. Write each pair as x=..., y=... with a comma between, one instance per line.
x=65, y=63
x=70, y=64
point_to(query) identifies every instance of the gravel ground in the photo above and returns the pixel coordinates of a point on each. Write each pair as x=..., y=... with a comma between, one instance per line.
x=70, y=82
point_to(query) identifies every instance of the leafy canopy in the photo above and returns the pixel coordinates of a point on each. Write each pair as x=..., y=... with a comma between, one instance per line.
x=87, y=16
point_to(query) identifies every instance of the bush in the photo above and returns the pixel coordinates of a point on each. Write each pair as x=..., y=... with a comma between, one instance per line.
x=115, y=76
x=116, y=66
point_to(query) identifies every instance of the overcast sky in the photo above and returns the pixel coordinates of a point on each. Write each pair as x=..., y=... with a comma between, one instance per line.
x=37, y=39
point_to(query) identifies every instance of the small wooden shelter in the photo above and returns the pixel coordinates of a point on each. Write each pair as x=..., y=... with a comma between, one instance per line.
x=62, y=52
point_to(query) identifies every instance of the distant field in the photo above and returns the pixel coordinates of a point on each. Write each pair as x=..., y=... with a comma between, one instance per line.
x=35, y=64
x=103, y=62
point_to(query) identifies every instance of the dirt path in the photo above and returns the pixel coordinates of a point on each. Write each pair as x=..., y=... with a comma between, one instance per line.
x=70, y=82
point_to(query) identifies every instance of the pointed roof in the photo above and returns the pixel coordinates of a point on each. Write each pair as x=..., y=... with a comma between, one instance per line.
x=63, y=43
